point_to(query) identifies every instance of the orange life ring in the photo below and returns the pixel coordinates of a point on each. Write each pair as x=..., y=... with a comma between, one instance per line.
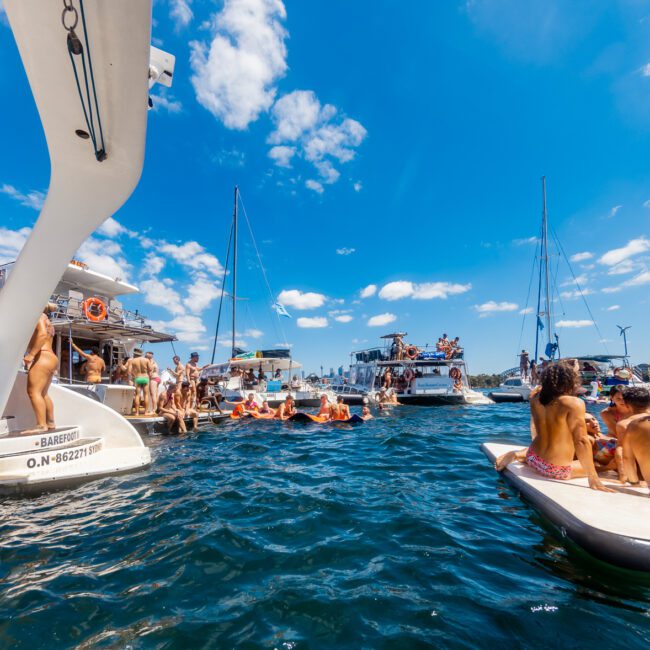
x=411, y=352
x=94, y=309
x=408, y=375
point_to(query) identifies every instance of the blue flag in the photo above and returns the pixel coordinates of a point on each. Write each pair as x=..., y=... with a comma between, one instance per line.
x=281, y=310
x=540, y=324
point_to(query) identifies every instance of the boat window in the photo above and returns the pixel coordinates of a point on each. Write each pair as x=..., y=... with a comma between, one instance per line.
x=513, y=382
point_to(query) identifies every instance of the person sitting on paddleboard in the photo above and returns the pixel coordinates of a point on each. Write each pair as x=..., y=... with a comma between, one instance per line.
x=325, y=408
x=343, y=409
x=559, y=421
x=250, y=405
x=286, y=409
x=265, y=409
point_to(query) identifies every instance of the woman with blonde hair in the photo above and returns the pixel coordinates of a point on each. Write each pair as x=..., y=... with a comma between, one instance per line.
x=41, y=364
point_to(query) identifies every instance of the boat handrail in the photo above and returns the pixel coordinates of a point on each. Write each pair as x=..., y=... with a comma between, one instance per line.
x=70, y=309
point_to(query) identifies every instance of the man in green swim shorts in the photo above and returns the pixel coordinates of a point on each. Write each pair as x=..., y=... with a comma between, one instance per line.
x=140, y=369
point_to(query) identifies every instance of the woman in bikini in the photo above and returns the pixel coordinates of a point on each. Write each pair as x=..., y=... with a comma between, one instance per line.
x=343, y=409
x=325, y=408
x=167, y=409
x=41, y=364
x=616, y=411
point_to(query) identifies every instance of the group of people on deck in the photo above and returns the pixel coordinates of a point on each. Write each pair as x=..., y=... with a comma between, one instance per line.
x=451, y=348
x=567, y=441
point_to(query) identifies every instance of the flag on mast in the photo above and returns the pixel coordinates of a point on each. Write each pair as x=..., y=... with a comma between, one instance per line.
x=281, y=310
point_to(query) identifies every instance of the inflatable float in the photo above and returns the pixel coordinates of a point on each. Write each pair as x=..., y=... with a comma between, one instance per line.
x=611, y=526
x=306, y=417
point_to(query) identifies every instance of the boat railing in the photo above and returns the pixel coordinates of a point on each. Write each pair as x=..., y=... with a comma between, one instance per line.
x=72, y=309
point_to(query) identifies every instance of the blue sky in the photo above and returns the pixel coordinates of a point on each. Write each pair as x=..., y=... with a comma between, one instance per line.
x=389, y=144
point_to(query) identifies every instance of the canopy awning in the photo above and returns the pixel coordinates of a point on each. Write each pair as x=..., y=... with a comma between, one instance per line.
x=266, y=364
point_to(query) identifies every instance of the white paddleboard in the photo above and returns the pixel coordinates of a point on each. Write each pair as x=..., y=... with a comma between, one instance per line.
x=614, y=527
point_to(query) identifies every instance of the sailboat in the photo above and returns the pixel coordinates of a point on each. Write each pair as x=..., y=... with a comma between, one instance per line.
x=90, y=72
x=270, y=375
x=598, y=371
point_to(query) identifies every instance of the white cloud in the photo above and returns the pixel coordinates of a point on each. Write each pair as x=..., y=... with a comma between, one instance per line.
x=314, y=185
x=253, y=333
x=345, y=251
x=611, y=289
x=111, y=228
x=188, y=329
x=642, y=278
x=165, y=103
x=429, y=290
x=523, y=242
x=180, y=12
x=299, y=300
x=580, y=279
x=32, y=199
x=492, y=307
x=368, y=291
x=104, y=256
x=396, y=290
x=239, y=343
x=425, y=291
x=357, y=186
x=381, y=319
x=614, y=210
x=153, y=264
x=581, y=257
x=192, y=255
x=573, y=295
x=645, y=70
x=11, y=243
x=312, y=323
x=344, y=318
x=646, y=204
x=161, y=294
x=293, y=115
x=633, y=247
x=282, y=155
x=626, y=266
x=574, y=323
x=201, y=293
x=527, y=310
x=317, y=132
x=613, y=308
x=235, y=75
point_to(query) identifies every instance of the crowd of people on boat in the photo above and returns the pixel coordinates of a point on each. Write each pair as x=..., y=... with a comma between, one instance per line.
x=400, y=350
x=567, y=441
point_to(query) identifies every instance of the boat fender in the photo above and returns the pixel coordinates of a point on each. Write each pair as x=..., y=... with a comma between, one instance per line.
x=94, y=309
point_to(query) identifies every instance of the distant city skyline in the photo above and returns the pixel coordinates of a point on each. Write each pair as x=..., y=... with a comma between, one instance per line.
x=389, y=160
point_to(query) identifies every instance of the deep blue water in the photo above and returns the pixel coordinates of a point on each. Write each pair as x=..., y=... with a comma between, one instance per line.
x=393, y=534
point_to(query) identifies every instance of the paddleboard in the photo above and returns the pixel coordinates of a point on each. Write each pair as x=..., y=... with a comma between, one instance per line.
x=614, y=527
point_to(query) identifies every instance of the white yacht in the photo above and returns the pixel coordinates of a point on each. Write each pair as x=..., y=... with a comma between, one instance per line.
x=423, y=377
x=281, y=380
x=511, y=389
x=96, y=141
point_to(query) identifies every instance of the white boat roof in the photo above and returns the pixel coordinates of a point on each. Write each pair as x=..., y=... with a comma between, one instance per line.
x=268, y=364
x=83, y=278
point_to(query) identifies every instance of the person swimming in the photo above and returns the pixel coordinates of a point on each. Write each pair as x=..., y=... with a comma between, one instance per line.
x=366, y=414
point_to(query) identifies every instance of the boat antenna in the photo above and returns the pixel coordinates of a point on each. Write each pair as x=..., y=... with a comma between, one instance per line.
x=624, y=335
x=234, y=273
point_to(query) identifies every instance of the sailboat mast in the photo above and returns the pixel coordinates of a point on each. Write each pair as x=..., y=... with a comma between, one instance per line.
x=234, y=273
x=547, y=279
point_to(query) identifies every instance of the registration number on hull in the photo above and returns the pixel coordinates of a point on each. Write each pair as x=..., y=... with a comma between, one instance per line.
x=64, y=456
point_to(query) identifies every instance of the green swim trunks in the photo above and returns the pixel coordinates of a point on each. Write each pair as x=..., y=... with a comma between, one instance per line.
x=141, y=381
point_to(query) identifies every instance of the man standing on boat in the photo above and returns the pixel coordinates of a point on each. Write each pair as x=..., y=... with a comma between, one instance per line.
x=524, y=363
x=140, y=370
x=94, y=365
x=154, y=376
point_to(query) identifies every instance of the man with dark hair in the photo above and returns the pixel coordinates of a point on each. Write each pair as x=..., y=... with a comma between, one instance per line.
x=93, y=366
x=561, y=432
x=637, y=401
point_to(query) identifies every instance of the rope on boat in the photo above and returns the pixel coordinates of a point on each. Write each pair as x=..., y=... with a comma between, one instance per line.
x=75, y=49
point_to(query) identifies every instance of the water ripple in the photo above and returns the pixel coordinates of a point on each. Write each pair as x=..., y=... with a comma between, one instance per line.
x=396, y=533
